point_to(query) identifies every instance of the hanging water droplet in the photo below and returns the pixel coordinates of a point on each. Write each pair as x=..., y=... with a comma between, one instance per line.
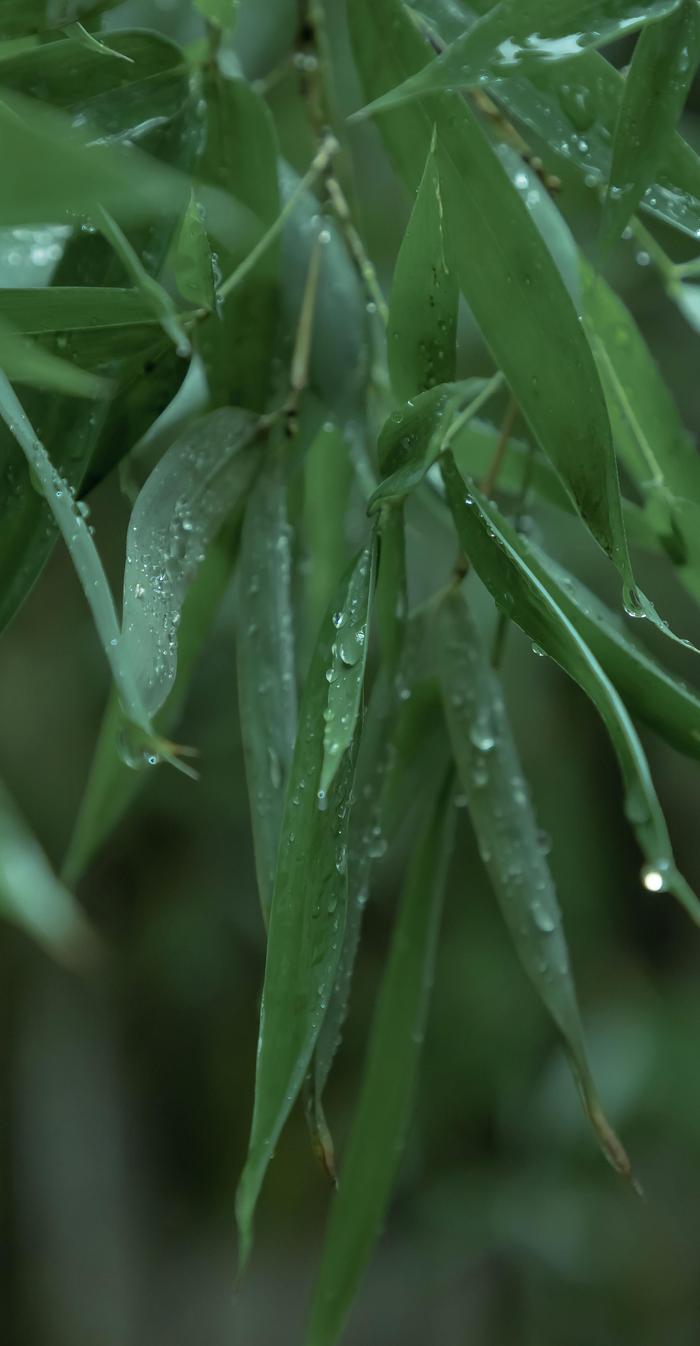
x=655, y=876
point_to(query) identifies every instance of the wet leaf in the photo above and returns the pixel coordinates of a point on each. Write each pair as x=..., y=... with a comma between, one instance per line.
x=20, y=18
x=663, y=65
x=517, y=34
x=25, y=361
x=267, y=694
x=509, y=843
x=384, y=1105
x=178, y=511
x=506, y=273
x=74, y=308
x=307, y=920
x=497, y=556
x=423, y=313
x=193, y=259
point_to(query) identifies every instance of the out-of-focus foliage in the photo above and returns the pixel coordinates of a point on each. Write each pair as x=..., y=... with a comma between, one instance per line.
x=354, y=345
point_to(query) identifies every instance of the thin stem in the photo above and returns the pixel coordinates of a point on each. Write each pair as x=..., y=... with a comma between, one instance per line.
x=362, y=261
x=489, y=482
x=317, y=168
x=469, y=412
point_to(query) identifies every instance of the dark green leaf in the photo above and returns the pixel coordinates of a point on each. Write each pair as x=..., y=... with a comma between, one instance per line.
x=20, y=18
x=384, y=1106
x=506, y=273
x=346, y=671
x=265, y=646
x=65, y=308
x=423, y=313
x=509, y=841
x=307, y=919
x=663, y=65
x=516, y=34
x=193, y=258
x=25, y=361
x=497, y=556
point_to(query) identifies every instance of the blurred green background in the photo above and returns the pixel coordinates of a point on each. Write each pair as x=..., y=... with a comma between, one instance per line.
x=126, y=1095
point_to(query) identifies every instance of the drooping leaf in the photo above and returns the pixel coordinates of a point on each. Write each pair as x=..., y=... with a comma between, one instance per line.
x=25, y=361
x=20, y=18
x=509, y=842
x=265, y=646
x=649, y=691
x=152, y=292
x=516, y=34
x=423, y=313
x=307, y=919
x=414, y=436
x=497, y=556
x=384, y=1106
x=240, y=155
x=649, y=434
x=193, y=257
x=327, y=482
x=178, y=511
x=346, y=670
x=112, y=785
x=570, y=108
x=74, y=308
x=663, y=65
x=33, y=898
x=506, y=273
x=116, y=98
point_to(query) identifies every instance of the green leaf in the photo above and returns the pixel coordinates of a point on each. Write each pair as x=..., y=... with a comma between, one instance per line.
x=366, y=842
x=33, y=898
x=178, y=511
x=239, y=155
x=220, y=12
x=384, y=1106
x=161, y=303
x=423, y=313
x=506, y=273
x=116, y=98
x=649, y=691
x=650, y=437
x=327, y=482
x=498, y=558
x=73, y=308
x=73, y=525
x=516, y=34
x=506, y=830
x=193, y=259
x=112, y=785
x=663, y=65
x=20, y=18
x=25, y=361
x=307, y=919
x=87, y=39
x=413, y=438
x=346, y=671
x=265, y=645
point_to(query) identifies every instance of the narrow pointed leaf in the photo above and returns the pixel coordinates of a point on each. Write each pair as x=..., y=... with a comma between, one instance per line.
x=178, y=511
x=33, y=898
x=120, y=767
x=20, y=18
x=423, y=312
x=412, y=438
x=25, y=361
x=497, y=556
x=193, y=258
x=663, y=65
x=74, y=308
x=509, y=842
x=307, y=920
x=346, y=670
x=384, y=1106
x=265, y=648
x=516, y=34
x=506, y=273
x=648, y=690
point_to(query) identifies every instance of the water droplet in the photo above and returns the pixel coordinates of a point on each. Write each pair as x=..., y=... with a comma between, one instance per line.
x=655, y=876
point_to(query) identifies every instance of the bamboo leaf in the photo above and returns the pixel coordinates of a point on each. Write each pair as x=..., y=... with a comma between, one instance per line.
x=509, y=842
x=178, y=511
x=265, y=646
x=423, y=313
x=307, y=920
x=346, y=670
x=650, y=692
x=506, y=273
x=74, y=308
x=193, y=258
x=413, y=437
x=112, y=785
x=517, y=34
x=33, y=898
x=26, y=361
x=663, y=65
x=384, y=1106
x=497, y=556
x=27, y=17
